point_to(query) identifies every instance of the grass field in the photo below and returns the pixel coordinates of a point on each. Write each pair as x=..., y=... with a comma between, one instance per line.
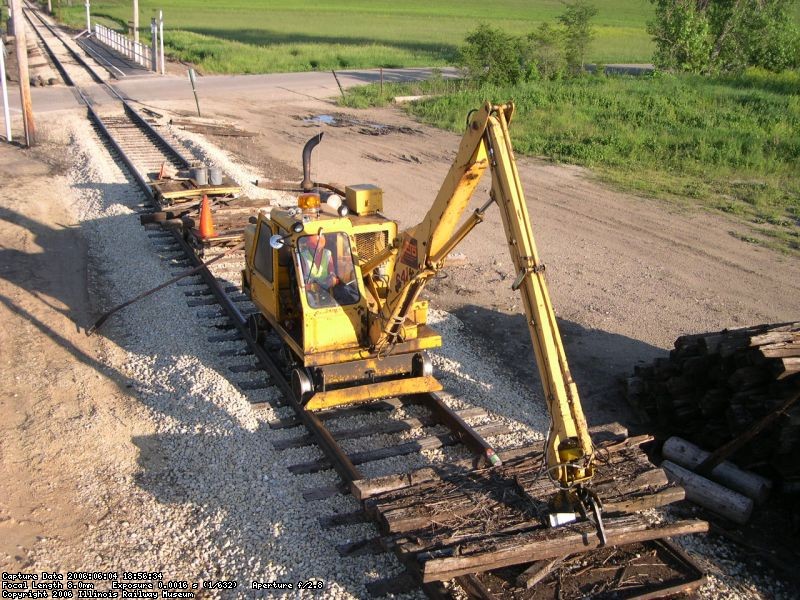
x=732, y=144
x=260, y=36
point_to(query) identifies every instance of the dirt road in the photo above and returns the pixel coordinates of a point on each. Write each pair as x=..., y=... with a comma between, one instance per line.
x=65, y=419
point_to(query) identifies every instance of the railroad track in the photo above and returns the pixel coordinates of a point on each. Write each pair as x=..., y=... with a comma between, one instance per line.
x=396, y=501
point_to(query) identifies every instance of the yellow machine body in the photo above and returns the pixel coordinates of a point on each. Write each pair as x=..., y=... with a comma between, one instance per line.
x=371, y=342
x=328, y=336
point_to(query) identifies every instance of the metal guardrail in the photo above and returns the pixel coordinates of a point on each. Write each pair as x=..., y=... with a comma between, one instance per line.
x=136, y=51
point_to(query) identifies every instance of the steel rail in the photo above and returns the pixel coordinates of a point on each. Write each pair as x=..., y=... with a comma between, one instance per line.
x=59, y=67
x=72, y=52
x=144, y=124
x=331, y=449
x=129, y=110
x=324, y=439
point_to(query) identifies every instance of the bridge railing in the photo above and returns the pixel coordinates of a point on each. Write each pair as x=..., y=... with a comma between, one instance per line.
x=135, y=51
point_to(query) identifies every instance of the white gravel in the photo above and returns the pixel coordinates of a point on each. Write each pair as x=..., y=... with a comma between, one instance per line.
x=209, y=496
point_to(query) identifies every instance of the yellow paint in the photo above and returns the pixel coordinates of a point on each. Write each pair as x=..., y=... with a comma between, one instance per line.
x=373, y=391
x=364, y=199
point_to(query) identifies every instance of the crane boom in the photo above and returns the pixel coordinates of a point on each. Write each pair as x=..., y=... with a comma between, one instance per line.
x=420, y=252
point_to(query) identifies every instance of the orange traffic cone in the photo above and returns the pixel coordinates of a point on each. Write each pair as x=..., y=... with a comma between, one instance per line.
x=206, y=224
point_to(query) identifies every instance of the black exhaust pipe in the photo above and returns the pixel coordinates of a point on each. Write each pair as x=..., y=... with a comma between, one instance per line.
x=307, y=184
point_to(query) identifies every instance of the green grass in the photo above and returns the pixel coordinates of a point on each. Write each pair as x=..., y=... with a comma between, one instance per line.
x=259, y=36
x=731, y=144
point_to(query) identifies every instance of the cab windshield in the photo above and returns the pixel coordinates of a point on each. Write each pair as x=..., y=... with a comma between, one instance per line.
x=328, y=270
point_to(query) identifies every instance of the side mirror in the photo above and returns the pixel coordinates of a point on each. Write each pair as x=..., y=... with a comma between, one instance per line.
x=277, y=242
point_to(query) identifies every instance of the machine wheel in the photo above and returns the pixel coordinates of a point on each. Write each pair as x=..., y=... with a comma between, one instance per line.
x=421, y=365
x=258, y=326
x=301, y=385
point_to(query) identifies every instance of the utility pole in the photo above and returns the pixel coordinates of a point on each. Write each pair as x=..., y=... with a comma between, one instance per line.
x=88, y=17
x=49, y=7
x=161, y=41
x=24, y=79
x=10, y=25
x=135, y=20
x=6, y=113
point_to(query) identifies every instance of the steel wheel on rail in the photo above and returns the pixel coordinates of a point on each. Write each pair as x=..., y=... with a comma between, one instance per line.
x=258, y=327
x=302, y=386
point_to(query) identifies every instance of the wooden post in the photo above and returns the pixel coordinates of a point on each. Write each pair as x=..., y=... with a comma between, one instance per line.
x=713, y=496
x=337, y=82
x=161, y=41
x=154, y=45
x=4, y=85
x=24, y=77
x=135, y=20
x=10, y=24
x=726, y=473
x=381, y=82
x=194, y=91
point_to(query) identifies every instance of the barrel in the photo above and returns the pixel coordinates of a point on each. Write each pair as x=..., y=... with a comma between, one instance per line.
x=199, y=175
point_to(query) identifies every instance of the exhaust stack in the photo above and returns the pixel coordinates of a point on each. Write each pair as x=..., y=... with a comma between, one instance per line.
x=307, y=184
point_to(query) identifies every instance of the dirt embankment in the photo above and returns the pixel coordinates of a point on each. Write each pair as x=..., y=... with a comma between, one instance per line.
x=64, y=417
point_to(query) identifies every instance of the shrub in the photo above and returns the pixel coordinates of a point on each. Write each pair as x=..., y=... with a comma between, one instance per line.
x=489, y=55
x=578, y=32
x=681, y=34
x=725, y=36
x=543, y=53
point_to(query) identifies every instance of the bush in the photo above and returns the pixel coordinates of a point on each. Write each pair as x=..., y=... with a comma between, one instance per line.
x=543, y=53
x=489, y=55
x=725, y=36
x=682, y=36
x=578, y=33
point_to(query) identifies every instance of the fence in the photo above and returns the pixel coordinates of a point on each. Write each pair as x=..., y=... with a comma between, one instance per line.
x=137, y=52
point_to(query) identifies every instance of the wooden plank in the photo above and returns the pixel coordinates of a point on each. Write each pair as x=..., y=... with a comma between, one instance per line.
x=411, y=447
x=507, y=497
x=726, y=473
x=433, y=484
x=362, y=409
x=549, y=543
x=367, y=488
x=725, y=451
x=474, y=587
x=538, y=571
x=652, y=500
x=368, y=430
x=786, y=367
x=713, y=496
x=338, y=519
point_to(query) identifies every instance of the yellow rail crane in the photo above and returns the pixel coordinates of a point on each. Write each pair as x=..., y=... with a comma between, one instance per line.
x=341, y=288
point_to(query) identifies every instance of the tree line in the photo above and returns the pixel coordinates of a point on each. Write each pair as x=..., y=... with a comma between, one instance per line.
x=697, y=36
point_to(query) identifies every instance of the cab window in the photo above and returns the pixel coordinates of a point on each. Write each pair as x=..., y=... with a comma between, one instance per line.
x=263, y=258
x=328, y=270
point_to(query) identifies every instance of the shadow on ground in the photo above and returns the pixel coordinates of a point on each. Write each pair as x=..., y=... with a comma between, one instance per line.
x=599, y=360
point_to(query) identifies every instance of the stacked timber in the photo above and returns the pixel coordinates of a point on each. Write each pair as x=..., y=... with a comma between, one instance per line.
x=715, y=386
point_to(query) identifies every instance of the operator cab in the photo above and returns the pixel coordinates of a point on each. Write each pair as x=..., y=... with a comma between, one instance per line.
x=328, y=270
x=303, y=272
